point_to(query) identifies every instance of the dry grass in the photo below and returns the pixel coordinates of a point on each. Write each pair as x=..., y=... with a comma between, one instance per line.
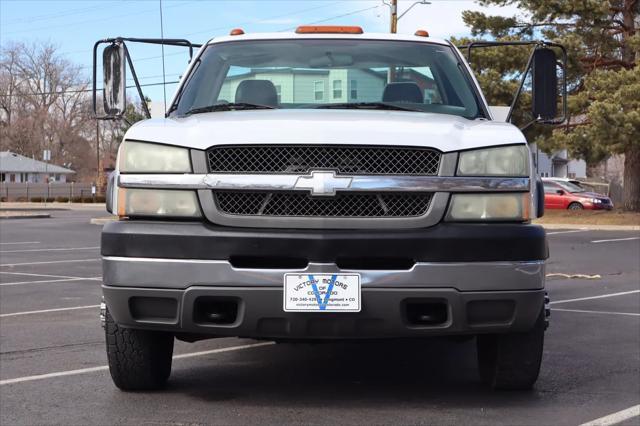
x=590, y=217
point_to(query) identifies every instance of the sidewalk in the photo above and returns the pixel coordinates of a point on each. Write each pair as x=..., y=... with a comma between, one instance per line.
x=590, y=227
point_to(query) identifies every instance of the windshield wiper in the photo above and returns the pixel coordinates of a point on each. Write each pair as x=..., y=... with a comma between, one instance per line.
x=237, y=106
x=368, y=105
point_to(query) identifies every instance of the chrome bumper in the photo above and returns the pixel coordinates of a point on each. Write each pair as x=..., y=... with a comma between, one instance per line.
x=184, y=273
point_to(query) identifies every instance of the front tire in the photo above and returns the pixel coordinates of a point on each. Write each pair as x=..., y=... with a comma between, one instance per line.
x=512, y=361
x=138, y=359
x=575, y=206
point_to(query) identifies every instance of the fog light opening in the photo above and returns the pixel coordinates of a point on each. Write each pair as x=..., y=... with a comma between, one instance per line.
x=426, y=313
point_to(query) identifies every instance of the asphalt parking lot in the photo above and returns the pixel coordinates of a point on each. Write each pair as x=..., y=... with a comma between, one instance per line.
x=52, y=361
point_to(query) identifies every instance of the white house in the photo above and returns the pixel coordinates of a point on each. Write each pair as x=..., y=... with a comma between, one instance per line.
x=557, y=164
x=18, y=168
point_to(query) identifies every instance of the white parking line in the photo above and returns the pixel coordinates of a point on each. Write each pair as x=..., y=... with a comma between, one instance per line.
x=50, y=249
x=29, y=274
x=602, y=296
x=631, y=314
x=105, y=367
x=49, y=262
x=616, y=239
x=566, y=232
x=615, y=418
x=51, y=281
x=21, y=242
x=45, y=311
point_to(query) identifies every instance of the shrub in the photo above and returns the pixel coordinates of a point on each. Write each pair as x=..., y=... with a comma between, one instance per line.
x=37, y=199
x=101, y=199
x=62, y=199
x=21, y=199
x=50, y=199
x=76, y=199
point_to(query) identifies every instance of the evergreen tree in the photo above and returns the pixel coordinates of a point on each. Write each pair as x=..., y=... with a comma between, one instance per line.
x=603, y=44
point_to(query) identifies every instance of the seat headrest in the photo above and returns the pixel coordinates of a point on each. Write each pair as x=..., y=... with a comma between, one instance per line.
x=402, y=92
x=260, y=92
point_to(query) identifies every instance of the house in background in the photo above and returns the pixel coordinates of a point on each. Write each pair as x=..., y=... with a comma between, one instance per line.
x=18, y=168
x=301, y=86
x=308, y=86
x=557, y=164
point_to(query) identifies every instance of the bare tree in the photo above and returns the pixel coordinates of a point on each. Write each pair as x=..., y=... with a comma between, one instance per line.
x=44, y=105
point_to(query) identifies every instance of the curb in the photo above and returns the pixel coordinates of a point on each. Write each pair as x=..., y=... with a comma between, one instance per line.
x=27, y=216
x=35, y=209
x=7, y=205
x=590, y=227
x=102, y=220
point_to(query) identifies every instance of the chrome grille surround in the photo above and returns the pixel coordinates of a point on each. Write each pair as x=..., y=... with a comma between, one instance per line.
x=344, y=159
x=438, y=188
x=344, y=205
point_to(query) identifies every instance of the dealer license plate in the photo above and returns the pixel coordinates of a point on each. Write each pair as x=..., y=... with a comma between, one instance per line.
x=322, y=293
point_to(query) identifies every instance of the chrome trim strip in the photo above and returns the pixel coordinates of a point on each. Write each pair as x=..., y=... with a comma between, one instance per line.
x=269, y=182
x=182, y=273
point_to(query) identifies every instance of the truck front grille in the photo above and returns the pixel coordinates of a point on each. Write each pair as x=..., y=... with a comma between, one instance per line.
x=343, y=205
x=298, y=159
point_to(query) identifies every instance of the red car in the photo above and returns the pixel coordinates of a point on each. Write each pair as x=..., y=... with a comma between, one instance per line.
x=567, y=195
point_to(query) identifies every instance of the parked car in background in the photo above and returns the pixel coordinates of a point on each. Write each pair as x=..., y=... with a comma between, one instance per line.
x=568, y=194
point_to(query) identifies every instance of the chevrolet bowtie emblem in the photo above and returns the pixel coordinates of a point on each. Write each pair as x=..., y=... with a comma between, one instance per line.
x=323, y=183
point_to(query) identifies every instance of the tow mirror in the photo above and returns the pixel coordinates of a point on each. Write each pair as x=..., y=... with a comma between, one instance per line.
x=544, y=84
x=114, y=82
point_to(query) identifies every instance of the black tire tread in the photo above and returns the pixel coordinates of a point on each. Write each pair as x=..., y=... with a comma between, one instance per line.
x=512, y=361
x=138, y=359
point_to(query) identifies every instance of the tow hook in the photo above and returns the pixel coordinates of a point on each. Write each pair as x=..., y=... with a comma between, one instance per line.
x=547, y=310
x=103, y=313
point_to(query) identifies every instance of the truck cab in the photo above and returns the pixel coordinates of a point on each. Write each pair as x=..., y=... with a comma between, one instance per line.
x=323, y=185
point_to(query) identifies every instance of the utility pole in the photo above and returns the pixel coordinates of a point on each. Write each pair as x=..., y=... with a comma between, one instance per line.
x=393, y=6
x=394, y=16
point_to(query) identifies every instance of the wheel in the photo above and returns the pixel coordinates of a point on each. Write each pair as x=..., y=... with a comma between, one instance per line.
x=138, y=359
x=575, y=206
x=512, y=361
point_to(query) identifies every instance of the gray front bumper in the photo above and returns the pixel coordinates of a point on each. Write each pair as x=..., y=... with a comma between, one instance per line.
x=184, y=273
x=479, y=297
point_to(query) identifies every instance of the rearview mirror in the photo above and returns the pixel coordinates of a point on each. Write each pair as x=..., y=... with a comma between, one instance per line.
x=114, y=82
x=544, y=84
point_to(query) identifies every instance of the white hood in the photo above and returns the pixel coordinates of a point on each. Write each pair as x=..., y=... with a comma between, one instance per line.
x=322, y=126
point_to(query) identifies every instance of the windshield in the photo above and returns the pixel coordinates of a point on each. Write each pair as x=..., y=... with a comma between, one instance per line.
x=571, y=187
x=329, y=73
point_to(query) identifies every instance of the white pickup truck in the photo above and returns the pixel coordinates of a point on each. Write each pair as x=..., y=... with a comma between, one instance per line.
x=321, y=185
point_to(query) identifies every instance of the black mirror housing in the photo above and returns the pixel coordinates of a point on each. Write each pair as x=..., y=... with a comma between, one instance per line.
x=114, y=82
x=544, y=84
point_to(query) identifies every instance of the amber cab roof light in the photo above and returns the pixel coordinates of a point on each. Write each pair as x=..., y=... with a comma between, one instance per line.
x=236, y=31
x=422, y=33
x=328, y=29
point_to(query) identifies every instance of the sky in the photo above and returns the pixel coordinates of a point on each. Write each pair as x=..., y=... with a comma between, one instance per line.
x=73, y=26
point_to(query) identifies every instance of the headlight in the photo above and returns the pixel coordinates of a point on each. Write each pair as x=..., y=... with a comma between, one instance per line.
x=141, y=157
x=489, y=207
x=157, y=202
x=596, y=200
x=503, y=161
